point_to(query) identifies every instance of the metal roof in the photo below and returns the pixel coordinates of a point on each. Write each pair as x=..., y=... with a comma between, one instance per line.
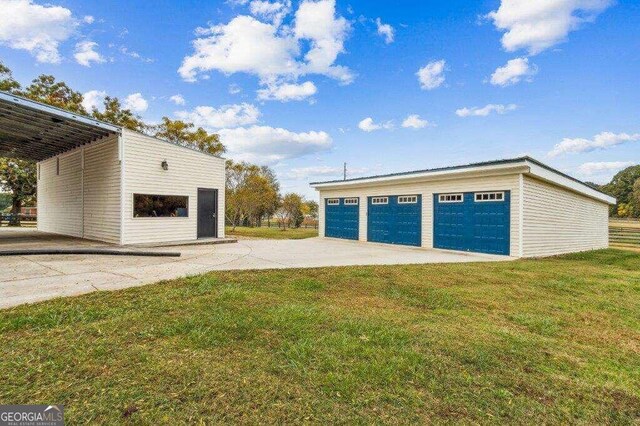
x=32, y=130
x=461, y=168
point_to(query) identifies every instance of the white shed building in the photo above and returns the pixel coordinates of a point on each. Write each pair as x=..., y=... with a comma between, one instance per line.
x=518, y=207
x=102, y=182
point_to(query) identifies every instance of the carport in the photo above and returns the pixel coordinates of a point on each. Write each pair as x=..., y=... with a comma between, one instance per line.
x=34, y=131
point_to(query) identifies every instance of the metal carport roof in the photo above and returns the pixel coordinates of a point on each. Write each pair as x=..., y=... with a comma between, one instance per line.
x=31, y=130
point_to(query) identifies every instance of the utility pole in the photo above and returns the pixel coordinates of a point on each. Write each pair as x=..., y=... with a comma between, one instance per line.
x=345, y=172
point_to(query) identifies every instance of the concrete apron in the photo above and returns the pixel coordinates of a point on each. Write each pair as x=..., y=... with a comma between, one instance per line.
x=28, y=279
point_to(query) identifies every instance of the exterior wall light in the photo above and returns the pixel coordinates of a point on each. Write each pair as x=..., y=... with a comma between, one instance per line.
x=165, y=165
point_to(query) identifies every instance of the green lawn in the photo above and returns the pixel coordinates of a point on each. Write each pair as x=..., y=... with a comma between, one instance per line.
x=525, y=342
x=273, y=233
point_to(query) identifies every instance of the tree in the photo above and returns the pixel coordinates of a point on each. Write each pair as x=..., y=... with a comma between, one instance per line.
x=46, y=89
x=312, y=210
x=290, y=211
x=181, y=133
x=250, y=192
x=5, y=200
x=622, y=188
x=114, y=113
x=7, y=83
x=624, y=210
x=636, y=197
x=18, y=177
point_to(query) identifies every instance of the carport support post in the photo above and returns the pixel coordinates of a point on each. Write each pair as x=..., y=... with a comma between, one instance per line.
x=122, y=186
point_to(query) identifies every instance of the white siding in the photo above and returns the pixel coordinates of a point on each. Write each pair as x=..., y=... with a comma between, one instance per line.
x=60, y=195
x=558, y=221
x=84, y=199
x=188, y=171
x=510, y=182
x=101, y=181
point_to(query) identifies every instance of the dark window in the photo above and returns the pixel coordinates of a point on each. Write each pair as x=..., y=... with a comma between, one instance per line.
x=160, y=205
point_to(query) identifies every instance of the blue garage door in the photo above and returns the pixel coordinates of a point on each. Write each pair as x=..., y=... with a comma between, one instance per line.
x=341, y=218
x=395, y=219
x=472, y=221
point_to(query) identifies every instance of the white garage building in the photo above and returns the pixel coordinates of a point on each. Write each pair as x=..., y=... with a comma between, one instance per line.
x=103, y=182
x=518, y=207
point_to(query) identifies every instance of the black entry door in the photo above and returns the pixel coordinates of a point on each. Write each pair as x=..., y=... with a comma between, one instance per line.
x=207, y=213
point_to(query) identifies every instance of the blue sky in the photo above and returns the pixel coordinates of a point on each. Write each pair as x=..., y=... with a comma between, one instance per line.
x=383, y=86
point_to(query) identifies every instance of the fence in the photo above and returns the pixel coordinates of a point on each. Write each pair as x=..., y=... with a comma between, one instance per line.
x=12, y=219
x=624, y=233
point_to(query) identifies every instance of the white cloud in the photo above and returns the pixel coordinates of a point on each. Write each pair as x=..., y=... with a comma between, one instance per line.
x=37, y=29
x=136, y=103
x=135, y=55
x=243, y=45
x=178, y=99
x=415, y=122
x=273, y=12
x=93, y=98
x=269, y=145
x=85, y=53
x=271, y=51
x=324, y=171
x=603, y=140
x=316, y=22
x=513, y=72
x=431, y=75
x=368, y=125
x=88, y=19
x=288, y=91
x=485, y=110
x=385, y=30
x=234, y=89
x=226, y=116
x=603, y=167
x=538, y=25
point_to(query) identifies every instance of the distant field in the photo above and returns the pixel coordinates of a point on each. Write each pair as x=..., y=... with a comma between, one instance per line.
x=624, y=234
x=272, y=233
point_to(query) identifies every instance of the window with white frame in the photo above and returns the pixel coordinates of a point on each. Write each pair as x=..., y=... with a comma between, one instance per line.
x=333, y=201
x=451, y=198
x=408, y=199
x=380, y=200
x=489, y=196
x=351, y=201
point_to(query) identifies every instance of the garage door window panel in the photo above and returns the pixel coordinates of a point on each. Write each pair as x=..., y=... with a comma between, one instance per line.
x=481, y=197
x=451, y=198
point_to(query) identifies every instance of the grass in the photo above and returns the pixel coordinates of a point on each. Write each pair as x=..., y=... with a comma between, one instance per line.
x=531, y=341
x=273, y=233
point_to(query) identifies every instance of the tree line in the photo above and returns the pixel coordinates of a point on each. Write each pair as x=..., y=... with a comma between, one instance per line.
x=253, y=192
x=625, y=187
x=253, y=196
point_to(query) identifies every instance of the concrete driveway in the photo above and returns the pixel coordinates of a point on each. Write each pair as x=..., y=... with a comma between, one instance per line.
x=28, y=279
